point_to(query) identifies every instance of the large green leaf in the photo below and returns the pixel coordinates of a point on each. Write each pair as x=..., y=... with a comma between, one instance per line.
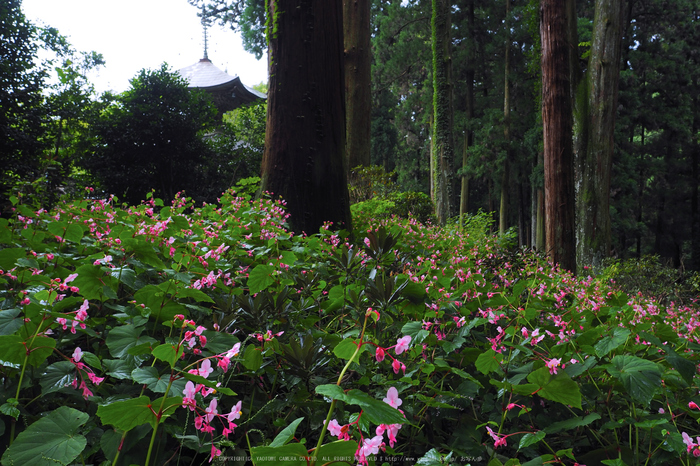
x=572, y=423
x=342, y=451
x=121, y=338
x=9, y=256
x=57, y=376
x=556, y=387
x=127, y=414
x=15, y=349
x=168, y=353
x=488, y=361
x=346, y=349
x=94, y=284
x=376, y=411
x=260, y=278
x=640, y=377
x=150, y=377
x=51, y=440
x=609, y=343
x=10, y=321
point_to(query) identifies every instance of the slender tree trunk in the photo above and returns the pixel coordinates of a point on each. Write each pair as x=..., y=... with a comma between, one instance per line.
x=505, y=179
x=356, y=29
x=694, y=210
x=443, y=138
x=468, y=135
x=304, y=159
x=557, y=133
x=593, y=200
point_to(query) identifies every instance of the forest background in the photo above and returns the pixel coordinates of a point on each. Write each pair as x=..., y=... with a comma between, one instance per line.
x=59, y=135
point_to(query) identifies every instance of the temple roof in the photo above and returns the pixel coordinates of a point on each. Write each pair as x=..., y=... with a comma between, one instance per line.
x=229, y=91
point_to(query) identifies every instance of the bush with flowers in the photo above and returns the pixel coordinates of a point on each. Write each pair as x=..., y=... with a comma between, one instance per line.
x=169, y=334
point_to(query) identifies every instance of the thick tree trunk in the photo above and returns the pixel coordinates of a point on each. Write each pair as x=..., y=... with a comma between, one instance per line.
x=356, y=29
x=443, y=138
x=557, y=134
x=602, y=77
x=304, y=159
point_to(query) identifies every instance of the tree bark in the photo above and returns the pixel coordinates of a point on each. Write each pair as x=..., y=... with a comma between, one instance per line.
x=356, y=33
x=505, y=179
x=443, y=138
x=304, y=159
x=602, y=77
x=557, y=134
x=468, y=134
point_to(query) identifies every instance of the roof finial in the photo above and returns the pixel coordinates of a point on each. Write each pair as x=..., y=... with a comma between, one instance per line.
x=205, y=25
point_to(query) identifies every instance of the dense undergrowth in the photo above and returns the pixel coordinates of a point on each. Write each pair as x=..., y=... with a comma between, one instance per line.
x=158, y=335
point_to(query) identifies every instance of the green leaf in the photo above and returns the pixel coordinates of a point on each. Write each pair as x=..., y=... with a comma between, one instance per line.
x=92, y=282
x=57, y=376
x=252, y=360
x=260, y=278
x=488, y=361
x=376, y=411
x=287, y=433
x=641, y=378
x=294, y=453
x=121, y=338
x=9, y=256
x=10, y=321
x=531, y=439
x=168, y=353
x=572, y=423
x=198, y=295
x=346, y=348
x=342, y=451
x=431, y=458
x=556, y=387
x=14, y=349
x=127, y=414
x=51, y=440
x=208, y=383
x=607, y=344
x=416, y=331
x=149, y=376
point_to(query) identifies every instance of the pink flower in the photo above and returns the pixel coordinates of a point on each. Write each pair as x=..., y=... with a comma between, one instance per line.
x=391, y=431
x=693, y=405
x=396, y=365
x=687, y=439
x=379, y=354
x=402, y=344
x=77, y=354
x=334, y=428
x=206, y=368
x=392, y=398
x=235, y=412
x=189, y=391
x=234, y=351
x=211, y=410
x=553, y=364
x=214, y=453
x=371, y=446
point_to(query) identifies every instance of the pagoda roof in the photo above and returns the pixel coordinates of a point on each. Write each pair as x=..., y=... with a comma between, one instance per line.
x=231, y=92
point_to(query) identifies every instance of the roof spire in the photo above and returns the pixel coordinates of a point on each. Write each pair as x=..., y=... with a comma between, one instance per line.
x=205, y=25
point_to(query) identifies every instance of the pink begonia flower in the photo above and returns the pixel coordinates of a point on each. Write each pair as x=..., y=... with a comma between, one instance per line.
x=334, y=428
x=392, y=398
x=553, y=364
x=396, y=365
x=235, y=351
x=235, y=412
x=693, y=405
x=211, y=410
x=402, y=344
x=391, y=431
x=206, y=369
x=95, y=379
x=189, y=392
x=214, y=453
x=77, y=354
x=379, y=354
x=371, y=446
x=688, y=440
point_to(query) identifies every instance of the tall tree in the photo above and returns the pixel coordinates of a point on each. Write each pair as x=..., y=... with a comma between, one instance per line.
x=505, y=179
x=557, y=134
x=358, y=67
x=304, y=159
x=598, y=131
x=443, y=139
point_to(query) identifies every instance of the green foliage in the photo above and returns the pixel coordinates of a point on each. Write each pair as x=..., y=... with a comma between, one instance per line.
x=488, y=352
x=150, y=138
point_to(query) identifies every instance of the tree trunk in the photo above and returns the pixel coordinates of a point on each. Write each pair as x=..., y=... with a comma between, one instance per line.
x=505, y=179
x=602, y=77
x=468, y=134
x=442, y=110
x=356, y=29
x=557, y=135
x=304, y=159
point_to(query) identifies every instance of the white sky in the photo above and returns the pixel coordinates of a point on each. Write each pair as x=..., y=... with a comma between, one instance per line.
x=136, y=34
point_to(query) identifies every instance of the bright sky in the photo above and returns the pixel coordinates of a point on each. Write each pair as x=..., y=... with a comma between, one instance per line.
x=136, y=34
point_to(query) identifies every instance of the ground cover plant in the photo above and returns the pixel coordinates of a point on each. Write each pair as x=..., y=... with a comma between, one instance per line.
x=169, y=334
